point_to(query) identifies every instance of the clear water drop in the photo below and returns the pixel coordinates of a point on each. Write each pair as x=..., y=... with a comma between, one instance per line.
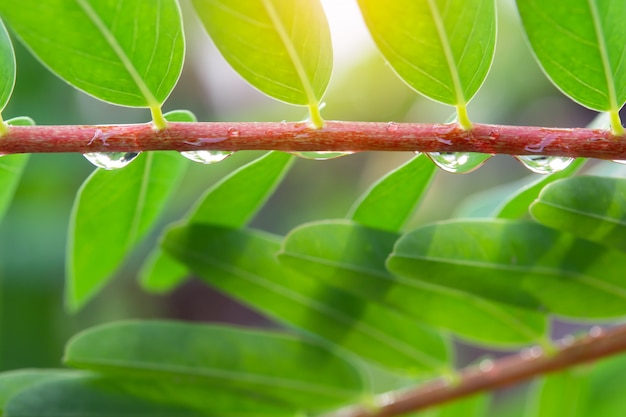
x=206, y=157
x=541, y=164
x=111, y=160
x=459, y=162
x=321, y=155
x=233, y=132
x=392, y=127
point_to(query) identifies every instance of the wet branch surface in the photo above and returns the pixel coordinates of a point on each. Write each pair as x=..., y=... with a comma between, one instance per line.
x=492, y=375
x=335, y=136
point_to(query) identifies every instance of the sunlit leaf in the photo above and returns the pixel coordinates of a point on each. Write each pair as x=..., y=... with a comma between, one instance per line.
x=276, y=365
x=517, y=205
x=11, y=169
x=127, y=52
x=7, y=67
x=232, y=202
x=389, y=203
x=441, y=48
x=520, y=263
x=592, y=208
x=243, y=265
x=14, y=382
x=352, y=257
x=581, y=46
x=281, y=47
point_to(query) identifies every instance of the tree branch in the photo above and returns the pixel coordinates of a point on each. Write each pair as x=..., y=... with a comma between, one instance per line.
x=335, y=136
x=497, y=374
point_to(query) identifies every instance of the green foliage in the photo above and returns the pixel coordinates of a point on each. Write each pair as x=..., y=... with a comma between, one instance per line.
x=365, y=304
x=7, y=67
x=580, y=46
x=443, y=49
x=281, y=47
x=390, y=203
x=100, y=48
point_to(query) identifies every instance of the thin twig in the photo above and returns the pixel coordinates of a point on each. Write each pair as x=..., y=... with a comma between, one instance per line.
x=497, y=374
x=335, y=136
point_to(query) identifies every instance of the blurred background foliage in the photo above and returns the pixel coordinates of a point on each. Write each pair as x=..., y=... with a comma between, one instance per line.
x=33, y=324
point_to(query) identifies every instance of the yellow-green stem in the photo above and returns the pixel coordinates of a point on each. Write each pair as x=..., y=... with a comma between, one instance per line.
x=4, y=128
x=462, y=117
x=616, y=123
x=315, y=117
x=157, y=118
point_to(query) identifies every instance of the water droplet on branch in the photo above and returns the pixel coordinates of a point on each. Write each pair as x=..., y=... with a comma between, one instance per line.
x=111, y=160
x=206, y=157
x=459, y=162
x=541, y=164
x=321, y=155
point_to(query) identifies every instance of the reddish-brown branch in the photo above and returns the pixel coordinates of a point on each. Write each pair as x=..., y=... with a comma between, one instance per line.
x=335, y=136
x=497, y=374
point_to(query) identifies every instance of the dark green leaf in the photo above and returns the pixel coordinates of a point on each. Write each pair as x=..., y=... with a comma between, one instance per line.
x=14, y=382
x=352, y=257
x=441, y=48
x=128, y=52
x=517, y=205
x=389, y=203
x=7, y=68
x=281, y=47
x=232, y=202
x=290, y=369
x=581, y=49
x=592, y=208
x=11, y=169
x=243, y=265
x=520, y=263
x=113, y=211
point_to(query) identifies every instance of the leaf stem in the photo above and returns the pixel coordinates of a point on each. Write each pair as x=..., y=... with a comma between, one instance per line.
x=500, y=373
x=315, y=117
x=157, y=117
x=462, y=117
x=302, y=137
x=4, y=129
x=616, y=123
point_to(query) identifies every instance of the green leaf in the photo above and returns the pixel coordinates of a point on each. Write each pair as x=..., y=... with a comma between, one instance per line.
x=92, y=395
x=11, y=169
x=582, y=49
x=232, y=202
x=281, y=47
x=562, y=394
x=352, y=257
x=242, y=264
x=290, y=369
x=592, y=208
x=7, y=69
x=112, y=212
x=14, y=382
x=129, y=52
x=441, y=48
x=520, y=263
x=517, y=205
x=389, y=203
x=474, y=406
